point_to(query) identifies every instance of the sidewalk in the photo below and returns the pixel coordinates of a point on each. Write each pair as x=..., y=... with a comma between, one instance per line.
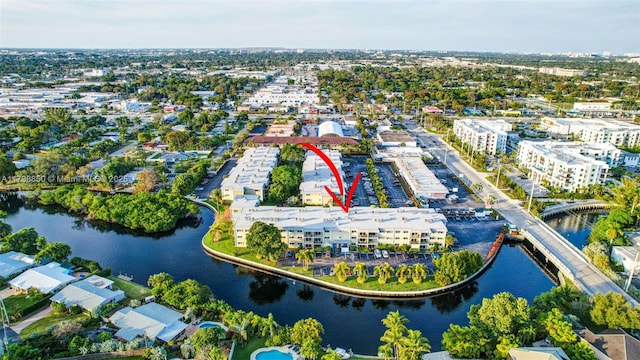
x=23, y=324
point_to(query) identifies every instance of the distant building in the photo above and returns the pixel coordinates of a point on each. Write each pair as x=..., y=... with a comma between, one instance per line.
x=486, y=136
x=567, y=165
x=316, y=174
x=613, y=132
x=562, y=72
x=423, y=182
x=393, y=138
x=592, y=106
x=315, y=226
x=251, y=174
x=432, y=110
x=90, y=293
x=330, y=129
x=323, y=142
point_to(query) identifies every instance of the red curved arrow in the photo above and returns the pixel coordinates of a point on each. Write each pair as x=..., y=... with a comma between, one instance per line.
x=352, y=190
x=329, y=163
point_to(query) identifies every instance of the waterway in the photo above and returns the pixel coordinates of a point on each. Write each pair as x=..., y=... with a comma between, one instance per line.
x=349, y=322
x=576, y=227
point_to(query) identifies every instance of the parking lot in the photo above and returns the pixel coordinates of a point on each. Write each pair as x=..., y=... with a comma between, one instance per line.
x=355, y=165
x=395, y=193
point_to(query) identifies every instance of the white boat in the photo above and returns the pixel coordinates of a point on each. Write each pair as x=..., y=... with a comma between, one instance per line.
x=342, y=352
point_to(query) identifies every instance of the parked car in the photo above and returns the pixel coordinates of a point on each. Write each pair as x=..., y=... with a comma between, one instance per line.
x=377, y=253
x=385, y=254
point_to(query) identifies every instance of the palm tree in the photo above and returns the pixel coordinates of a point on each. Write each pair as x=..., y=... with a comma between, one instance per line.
x=612, y=233
x=360, y=269
x=449, y=240
x=403, y=273
x=305, y=257
x=394, y=335
x=340, y=269
x=418, y=273
x=384, y=272
x=434, y=248
x=414, y=345
x=269, y=326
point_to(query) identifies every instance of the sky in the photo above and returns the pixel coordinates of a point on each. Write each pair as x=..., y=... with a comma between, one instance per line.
x=464, y=25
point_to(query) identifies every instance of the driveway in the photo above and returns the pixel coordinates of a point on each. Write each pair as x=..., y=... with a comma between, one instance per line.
x=23, y=324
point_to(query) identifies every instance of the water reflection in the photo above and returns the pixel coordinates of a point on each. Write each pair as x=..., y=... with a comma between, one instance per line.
x=450, y=301
x=305, y=293
x=266, y=289
x=341, y=300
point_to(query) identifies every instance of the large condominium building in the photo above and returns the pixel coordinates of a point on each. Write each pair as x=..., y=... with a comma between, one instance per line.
x=288, y=95
x=599, y=131
x=316, y=175
x=488, y=136
x=422, y=182
x=567, y=165
x=562, y=72
x=314, y=226
x=250, y=176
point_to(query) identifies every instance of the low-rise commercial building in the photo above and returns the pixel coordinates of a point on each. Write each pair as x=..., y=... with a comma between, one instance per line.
x=567, y=165
x=251, y=174
x=487, y=136
x=316, y=174
x=423, y=182
x=562, y=72
x=388, y=138
x=313, y=226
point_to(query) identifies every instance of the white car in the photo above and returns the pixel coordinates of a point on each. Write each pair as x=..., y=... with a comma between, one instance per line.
x=385, y=254
x=377, y=253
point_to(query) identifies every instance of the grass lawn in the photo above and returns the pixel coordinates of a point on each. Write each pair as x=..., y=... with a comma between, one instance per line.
x=225, y=245
x=131, y=289
x=244, y=352
x=43, y=324
x=17, y=303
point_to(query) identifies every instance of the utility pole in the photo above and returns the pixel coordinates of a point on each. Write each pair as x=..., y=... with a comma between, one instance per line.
x=533, y=184
x=498, y=177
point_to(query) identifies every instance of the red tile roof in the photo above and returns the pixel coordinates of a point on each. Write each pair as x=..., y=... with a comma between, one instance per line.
x=314, y=140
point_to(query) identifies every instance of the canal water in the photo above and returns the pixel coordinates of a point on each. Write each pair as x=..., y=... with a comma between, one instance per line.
x=349, y=322
x=575, y=227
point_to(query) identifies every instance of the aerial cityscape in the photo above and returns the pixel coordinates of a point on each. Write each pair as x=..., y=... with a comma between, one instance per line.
x=412, y=180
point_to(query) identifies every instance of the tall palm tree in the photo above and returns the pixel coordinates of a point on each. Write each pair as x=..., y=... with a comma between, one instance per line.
x=403, y=273
x=612, y=233
x=269, y=326
x=394, y=335
x=384, y=272
x=418, y=273
x=305, y=257
x=360, y=269
x=340, y=269
x=414, y=345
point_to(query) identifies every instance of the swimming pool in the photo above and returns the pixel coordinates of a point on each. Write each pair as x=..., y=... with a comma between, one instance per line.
x=273, y=355
x=211, y=324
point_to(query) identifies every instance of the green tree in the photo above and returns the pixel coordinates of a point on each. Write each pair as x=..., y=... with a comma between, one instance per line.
x=394, y=334
x=178, y=140
x=341, y=269
x=580, y=351
x=203, y=339
x=360, y=269
x=265, y=241
x=188, y=293
x=614, y=311
x=560, y=331
x=160, y=283
x=331, y=355
x=58, y=252
x=146, y=180
x=418, y=273
x=5, y=229
x=7, y=168
x=25, y=240
x=384, y=272
x=403, y=273
x=414, y=345
x=502, y=315
x=307, y=329
x=183, y=184
x=466, y=342
x=310, y=349
x=305, y=257
x=269, y=326
x=455, y=267
x=505, y=343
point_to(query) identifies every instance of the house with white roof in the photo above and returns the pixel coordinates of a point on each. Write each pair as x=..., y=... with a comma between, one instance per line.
x=14, y=262
x=90, y=293
x=151, y=320
x=46, y=278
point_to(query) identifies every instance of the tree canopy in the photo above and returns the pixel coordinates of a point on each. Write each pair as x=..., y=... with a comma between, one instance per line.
x=265, y=241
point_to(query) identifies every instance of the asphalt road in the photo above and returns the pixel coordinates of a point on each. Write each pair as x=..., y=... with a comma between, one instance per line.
x=584, y=274
x=214, y=183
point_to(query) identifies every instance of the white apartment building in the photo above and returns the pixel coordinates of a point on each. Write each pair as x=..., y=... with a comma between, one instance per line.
x=251, y=174
x=316, y=175
x=599, y=131
x=567, y=165
x=422, y=181
x=279, y=92
x=592, y=106
x=488, y=136
x=562, y=72
x=314, y=226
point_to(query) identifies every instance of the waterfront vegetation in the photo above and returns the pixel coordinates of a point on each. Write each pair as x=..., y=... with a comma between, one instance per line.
x=151, y=212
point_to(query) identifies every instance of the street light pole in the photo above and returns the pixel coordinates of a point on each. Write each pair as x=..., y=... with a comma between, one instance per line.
x=633, y=269
x=498, y=177
x=533, y=184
